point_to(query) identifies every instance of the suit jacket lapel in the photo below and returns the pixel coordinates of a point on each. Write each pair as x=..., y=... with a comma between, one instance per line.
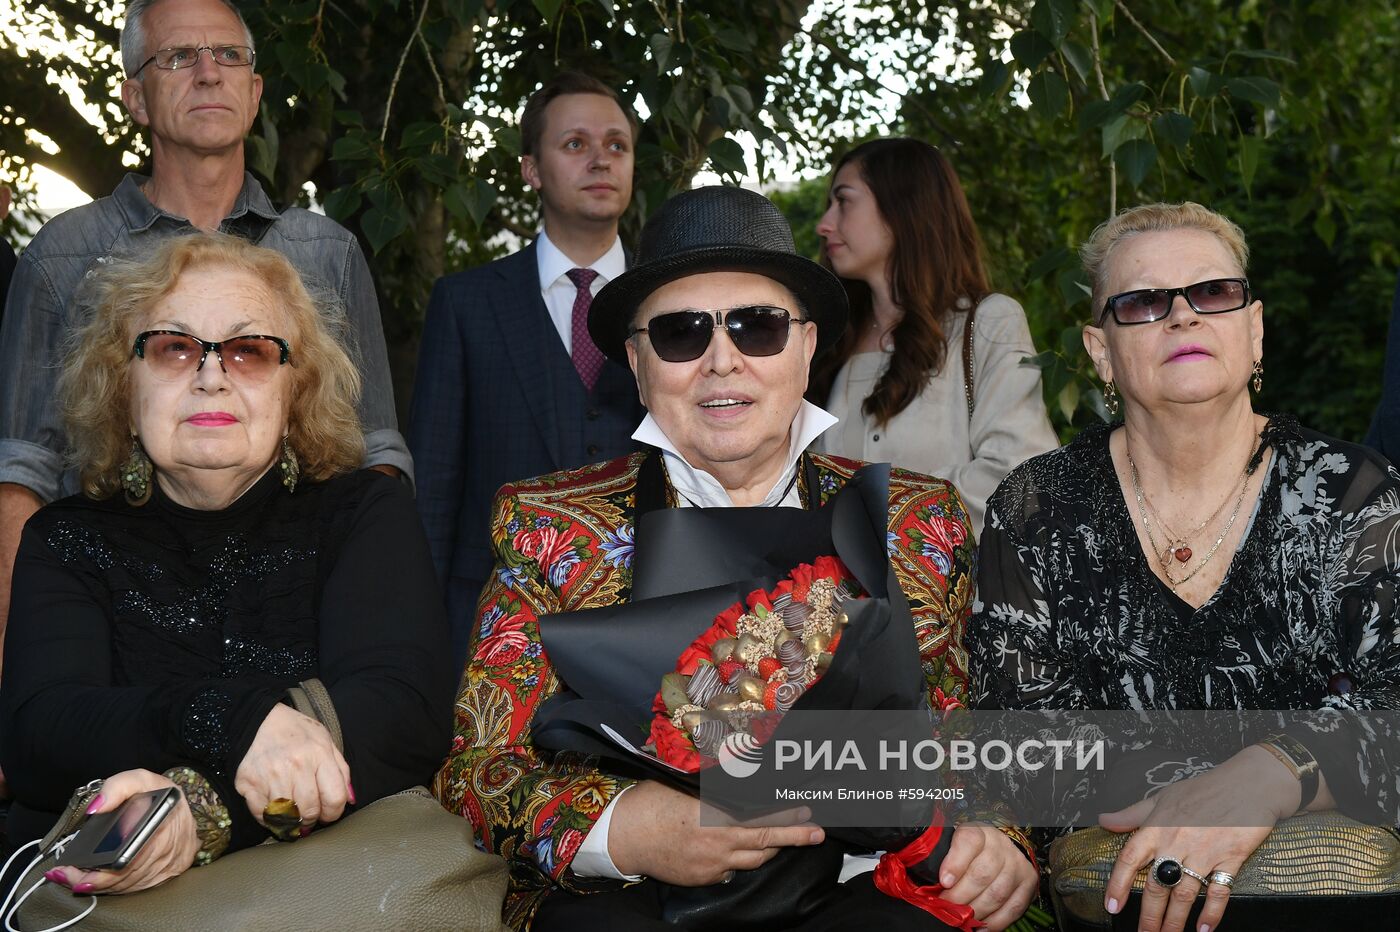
x=532, y=343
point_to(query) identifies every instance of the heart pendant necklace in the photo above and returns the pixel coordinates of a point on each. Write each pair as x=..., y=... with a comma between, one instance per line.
x=1177, y=547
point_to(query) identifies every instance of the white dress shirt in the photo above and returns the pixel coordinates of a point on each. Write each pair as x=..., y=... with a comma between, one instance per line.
x=559, y=292
x=699, y=488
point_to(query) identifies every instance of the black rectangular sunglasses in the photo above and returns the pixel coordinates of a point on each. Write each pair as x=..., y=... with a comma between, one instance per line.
x=757, y=330
x=1145, y=305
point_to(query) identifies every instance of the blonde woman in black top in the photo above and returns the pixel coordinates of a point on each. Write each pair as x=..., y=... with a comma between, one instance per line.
x=225, y=549
x=1199, y=555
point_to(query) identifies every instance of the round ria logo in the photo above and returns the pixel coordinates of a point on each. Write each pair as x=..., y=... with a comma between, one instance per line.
x=740, y=755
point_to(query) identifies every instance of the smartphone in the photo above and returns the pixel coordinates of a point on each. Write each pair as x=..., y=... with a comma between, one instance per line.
x=109, y=840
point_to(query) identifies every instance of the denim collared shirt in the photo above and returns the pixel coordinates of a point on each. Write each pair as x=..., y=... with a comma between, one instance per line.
x=46, y=305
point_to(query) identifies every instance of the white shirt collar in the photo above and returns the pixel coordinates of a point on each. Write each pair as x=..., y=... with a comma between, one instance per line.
x=554, y=265
x=695, y=486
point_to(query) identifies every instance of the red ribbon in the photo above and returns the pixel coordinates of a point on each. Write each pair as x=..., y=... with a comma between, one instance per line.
x=892, y=879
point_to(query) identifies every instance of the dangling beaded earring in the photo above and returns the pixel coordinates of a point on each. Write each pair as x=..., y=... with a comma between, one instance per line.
x=136, y=475
x=291, y=469
x=1258, y=381
x=1110, y=398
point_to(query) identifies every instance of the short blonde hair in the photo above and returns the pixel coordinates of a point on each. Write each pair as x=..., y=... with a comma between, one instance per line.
x=323, y=427
x=1154, y=218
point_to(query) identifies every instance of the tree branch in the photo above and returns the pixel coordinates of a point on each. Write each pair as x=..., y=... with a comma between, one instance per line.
x=862, y=76
x=84, y=156
x=1103, y=89
x=73, y=13
x=1143, y=29
x=432, y=66
x=398, y=71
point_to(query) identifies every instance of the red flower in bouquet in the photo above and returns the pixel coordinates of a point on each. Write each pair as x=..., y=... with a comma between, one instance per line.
x=751, y=664
x=673, y=745
x=700, y=648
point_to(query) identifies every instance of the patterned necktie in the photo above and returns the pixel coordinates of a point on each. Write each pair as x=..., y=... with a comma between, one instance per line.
x=588, y=359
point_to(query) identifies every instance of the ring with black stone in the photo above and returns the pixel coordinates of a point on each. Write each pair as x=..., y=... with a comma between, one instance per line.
x=1166, y=872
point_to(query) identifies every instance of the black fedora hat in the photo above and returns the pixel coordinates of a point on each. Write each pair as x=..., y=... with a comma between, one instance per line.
x=715, y=229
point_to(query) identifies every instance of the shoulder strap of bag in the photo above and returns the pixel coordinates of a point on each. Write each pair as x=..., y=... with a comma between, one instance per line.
x=967, y=359
x=311, y=699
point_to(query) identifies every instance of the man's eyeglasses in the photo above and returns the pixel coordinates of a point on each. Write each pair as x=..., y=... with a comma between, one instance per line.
x=187, y=56
x=1148, y=304
x=757, y=330
x=173, y=355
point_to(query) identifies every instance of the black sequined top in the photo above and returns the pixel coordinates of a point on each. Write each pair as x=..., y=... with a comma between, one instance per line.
x=161, y=635
x=1070, y=616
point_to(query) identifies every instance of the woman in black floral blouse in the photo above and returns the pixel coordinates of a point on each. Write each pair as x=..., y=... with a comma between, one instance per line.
x=1196, y=556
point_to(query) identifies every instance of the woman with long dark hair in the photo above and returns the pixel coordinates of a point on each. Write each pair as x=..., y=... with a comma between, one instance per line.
x=928, y=374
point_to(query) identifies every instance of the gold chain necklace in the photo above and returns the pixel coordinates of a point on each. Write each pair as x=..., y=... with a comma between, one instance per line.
x=1177, y=544
x=1163, y=555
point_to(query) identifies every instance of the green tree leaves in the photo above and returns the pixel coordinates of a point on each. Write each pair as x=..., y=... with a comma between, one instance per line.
x=727, y=157
x=1174, y=129
x=1030, y=48
x=1048, y=92
x=1282, y=114
x=1136, y=157
x=471, y=198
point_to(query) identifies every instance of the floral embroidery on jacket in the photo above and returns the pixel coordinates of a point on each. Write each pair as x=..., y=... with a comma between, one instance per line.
x=565, y=542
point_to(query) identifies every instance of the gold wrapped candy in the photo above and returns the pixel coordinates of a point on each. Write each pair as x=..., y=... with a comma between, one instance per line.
x=724, y=702
x=750, y=687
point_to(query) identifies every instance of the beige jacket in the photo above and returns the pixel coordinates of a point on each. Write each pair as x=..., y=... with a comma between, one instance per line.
x=934, y=435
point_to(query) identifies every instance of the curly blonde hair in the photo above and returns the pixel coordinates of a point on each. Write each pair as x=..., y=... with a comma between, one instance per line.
x=1154, y=218
x=323, y=427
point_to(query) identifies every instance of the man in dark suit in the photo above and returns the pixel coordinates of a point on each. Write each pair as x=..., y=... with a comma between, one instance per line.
x=509, y=382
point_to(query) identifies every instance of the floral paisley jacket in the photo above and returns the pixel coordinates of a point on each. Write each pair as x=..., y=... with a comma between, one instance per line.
x=564, y=542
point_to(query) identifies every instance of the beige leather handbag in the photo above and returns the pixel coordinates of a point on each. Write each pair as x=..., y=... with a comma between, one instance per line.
x=402, y=862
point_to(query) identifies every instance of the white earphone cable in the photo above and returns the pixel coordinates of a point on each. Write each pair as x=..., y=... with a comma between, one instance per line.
x=9, y=913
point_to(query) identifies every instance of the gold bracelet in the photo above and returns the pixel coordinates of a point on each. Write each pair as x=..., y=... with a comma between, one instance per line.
x=1022, y=841
x=212, y=824
x=1299, y=761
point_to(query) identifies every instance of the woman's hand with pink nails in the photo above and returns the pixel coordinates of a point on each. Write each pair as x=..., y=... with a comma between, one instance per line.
x=168, y=853
x=294, y=757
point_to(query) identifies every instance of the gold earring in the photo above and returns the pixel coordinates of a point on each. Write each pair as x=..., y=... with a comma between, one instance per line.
x=291, y=469
x=1258, y=381
x=136, y=475
x=1110, y=398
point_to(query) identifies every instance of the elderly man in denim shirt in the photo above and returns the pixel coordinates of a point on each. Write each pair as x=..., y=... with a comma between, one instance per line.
x=191, y=80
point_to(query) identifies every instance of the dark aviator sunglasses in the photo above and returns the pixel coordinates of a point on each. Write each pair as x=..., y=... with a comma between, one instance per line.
x=1143, y=306
x=757, y=330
